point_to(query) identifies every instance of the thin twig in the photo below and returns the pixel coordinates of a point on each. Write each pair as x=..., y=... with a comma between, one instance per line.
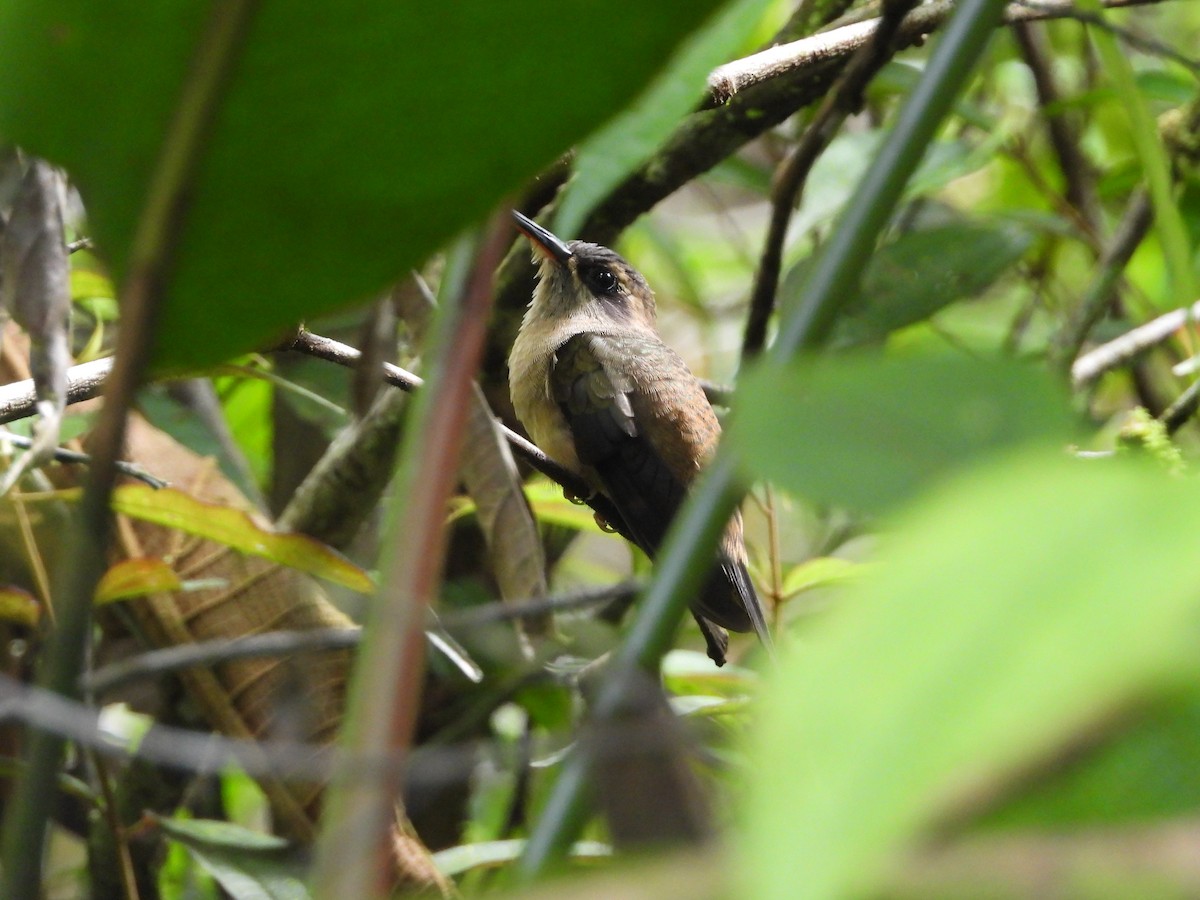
x=205, y=753
x=284, y=643
x=1064, y=139
x=74, y=457
x=1178, y=413
x=1066, y=343
x=83, y=243
x=1121, y=349
x=344, y=355
x=84, y=382
x=1146, y=44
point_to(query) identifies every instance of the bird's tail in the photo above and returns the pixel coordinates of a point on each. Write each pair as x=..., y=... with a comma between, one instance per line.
x=740, y=578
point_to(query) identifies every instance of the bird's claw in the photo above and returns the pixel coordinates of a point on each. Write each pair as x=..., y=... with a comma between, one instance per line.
x=603, y=523
x=572, y=497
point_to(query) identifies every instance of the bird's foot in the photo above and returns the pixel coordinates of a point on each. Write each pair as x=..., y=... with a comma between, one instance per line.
x=603, y=523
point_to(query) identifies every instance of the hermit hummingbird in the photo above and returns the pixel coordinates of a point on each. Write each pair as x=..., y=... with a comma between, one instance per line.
x=601, y=394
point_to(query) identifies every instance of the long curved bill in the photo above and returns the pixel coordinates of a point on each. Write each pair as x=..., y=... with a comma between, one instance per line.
x=543, y=240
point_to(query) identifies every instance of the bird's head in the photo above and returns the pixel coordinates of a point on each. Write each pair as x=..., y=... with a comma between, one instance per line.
x=578, y=280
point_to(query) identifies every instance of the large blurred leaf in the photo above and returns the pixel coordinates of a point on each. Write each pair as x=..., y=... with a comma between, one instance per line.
x=1145, y=766
x=612, y=153
x=1007, y=610
x=351, y=142
x=919, y=273
x=865, y=431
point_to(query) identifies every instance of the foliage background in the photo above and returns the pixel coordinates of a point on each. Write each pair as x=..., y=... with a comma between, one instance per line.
x=978, y=557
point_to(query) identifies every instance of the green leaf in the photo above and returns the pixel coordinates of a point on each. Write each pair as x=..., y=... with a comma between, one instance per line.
x=19, y=606
x=819, y=571
x=234, y=528
x=457, y=860
x=348, y=145
x=919, y=273
x=136, y=577
x=609, y=155
x=688, y=673
x=865, y=431
x=247, y=864
x=1007, y=610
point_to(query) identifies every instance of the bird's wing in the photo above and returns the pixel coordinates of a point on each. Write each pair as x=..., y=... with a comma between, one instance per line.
x=604, y=408
x=641, y=421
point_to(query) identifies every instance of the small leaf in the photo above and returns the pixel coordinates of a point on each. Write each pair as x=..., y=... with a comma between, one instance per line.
x=235, y=529
x=818, y=572
x=458, y=860
x=19, y=606
x=136, y=578
x=865, y=432
x=247, y=864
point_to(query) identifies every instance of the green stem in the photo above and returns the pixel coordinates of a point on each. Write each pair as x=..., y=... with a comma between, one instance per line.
x=1168, y=222
x=693, y=537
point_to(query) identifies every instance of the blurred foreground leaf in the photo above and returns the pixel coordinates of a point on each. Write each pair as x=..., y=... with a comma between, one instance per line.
x=1008, y=609
x=865, y=432
x=612, y=153
x=351, y=142
x=921, y=272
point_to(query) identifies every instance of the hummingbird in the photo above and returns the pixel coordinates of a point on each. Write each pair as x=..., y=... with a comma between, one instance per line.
x=601, y=394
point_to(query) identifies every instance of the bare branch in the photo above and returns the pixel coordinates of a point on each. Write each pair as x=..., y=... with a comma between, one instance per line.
x=63, y=455
x=1108, y=356
x=84, y=382
x=284, y=643
x=730, y=79
x=1130, y=231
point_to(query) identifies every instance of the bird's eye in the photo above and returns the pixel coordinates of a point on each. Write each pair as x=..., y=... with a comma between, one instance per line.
x=602, y=280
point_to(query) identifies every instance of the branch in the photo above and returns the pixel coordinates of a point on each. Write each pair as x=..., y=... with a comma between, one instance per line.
x=154, y=663
x=74, y=457
x=1119, y=350
x=84, y=382
x=726, y=81
x=1131, y=230
x=1064, y=138
x=845, y=97
x=344, y=355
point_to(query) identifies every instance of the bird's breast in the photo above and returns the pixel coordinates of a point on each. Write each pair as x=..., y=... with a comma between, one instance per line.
x=529, y=385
